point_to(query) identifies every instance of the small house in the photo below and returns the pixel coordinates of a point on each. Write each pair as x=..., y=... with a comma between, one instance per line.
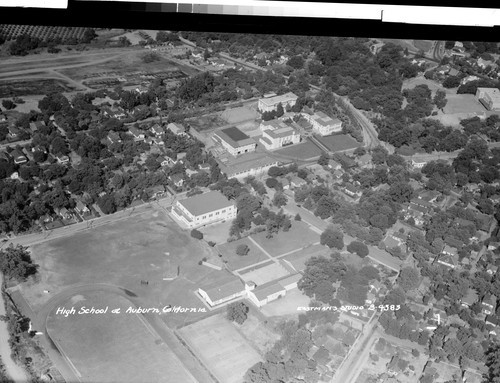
x=177, y=180
x=470, y=298
x=137, y=133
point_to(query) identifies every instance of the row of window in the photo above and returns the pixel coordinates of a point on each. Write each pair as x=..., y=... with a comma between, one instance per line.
x=211, y=215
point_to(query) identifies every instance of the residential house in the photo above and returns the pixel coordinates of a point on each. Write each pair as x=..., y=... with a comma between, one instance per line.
x=297, y=182
x=157, y=130
x=177, y=128
x=234, y=141
x=167, y=161
x=492, y=320
x=177, y=179
x=352, y=191
x=449, y=250
x=35, y=125
x=203, y=209
x=271, y=103
x=156, y=191
x=204, y=167
x=14, y=132
x=3, y=117
x=491, y=269
x=493, y=246
x=220, y=292
x=18, y=156
x=470, y=298
x=137, y=133
x=114, y=112
x=62, y=158
x=113, y=137
x=81, y=207
x=489, y=304
x=448, y=260
x=323, y=124
x=64, y=213
x=334, y=165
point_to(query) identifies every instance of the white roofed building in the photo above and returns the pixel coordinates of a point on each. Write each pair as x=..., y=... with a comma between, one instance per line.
x=323, y=124
x=489, y=97
x=278, y=135
x=271, y=103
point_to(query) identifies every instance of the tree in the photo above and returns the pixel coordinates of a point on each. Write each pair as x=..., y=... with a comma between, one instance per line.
x=296, y=62
x=326, y=207
x=440, y=99
x=332, y=238
x=298, y=217
x=196, y=234
x=359, y=248
x=271, y=182
x=242, y=249
x=323, y=159
x=451, y=82
x=123, y=41
x=16, y=263
x=8, y=104
x=107, y=203
x=279, y=110
x=280, y=199
x=408, y=279
x=237, y=312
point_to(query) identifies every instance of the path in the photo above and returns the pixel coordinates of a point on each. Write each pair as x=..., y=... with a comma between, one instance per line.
x=16, y=372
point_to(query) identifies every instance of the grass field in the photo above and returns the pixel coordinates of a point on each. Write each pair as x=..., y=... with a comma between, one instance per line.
x=297, y=237
x=144, y=247
x=222, y=349
x=462, y=103
x=287, y=306
x=114, y=347
x=239, y=114
x=234, y=261
x=339, y=142
x=424, y=45
x=302, y=151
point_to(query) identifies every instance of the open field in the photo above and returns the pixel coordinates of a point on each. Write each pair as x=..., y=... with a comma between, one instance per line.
x=234, y=261
x=421, y=80
x=257, y=334
x=14, y=88
x=30, y=103
x=206, y=122
x=239, y=114
x=145, y=247
x=220, y=346
x=297, y=237
x=338, y=142
x=302, y=151
x=424, y=45
x=287, y=306
x=113, y=347
x=462, y=103
x=128, y=62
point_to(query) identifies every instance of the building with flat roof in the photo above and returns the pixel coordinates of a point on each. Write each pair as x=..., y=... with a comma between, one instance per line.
x=268, y=292
x=323, y=124
x=251, y=164
x=220, y=292
x=489, y=97
x=234, y=141
x=268, y=104
x=203, y=209
x=276, y=138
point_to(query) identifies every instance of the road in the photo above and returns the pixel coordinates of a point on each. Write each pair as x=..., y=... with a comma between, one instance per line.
x=13, y=144
x=14, y=371
x=437, y=53
x=359, y=352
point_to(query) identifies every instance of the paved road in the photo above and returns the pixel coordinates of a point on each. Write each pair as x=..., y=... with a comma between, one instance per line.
x=14, y=144
x=353, y=364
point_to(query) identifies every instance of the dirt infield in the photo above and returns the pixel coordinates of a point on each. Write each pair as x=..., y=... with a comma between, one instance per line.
x=113, y=347
x=239, y=114
x=302, y=151
x=221, y=347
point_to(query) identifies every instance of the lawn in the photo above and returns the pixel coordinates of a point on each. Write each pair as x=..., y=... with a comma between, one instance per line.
x=297, y=237
x=239, y=114
x=145, y=247
x=15, y=88
x=287, y=306
x=113, y=347
x=302, y=151
x=424, y=45
x=462, y=103
x=338, y=142
x=236, y=262
x=221, y=348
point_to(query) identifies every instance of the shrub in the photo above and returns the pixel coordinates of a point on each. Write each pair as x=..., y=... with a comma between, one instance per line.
x=298, y=217
x=242, y=249
x=211, y=243
x=196, y=234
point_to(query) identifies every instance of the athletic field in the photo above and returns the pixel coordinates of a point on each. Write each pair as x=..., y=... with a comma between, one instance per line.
x=105, y=348
x=221, y=348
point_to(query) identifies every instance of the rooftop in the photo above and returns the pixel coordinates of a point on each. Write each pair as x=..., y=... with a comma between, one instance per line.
x=222, y=289
x=234, y=165
x=262, y=292
x=204, y=203
x=234, y=137
x=493, y=93
x=284, y=98
x=281, y=132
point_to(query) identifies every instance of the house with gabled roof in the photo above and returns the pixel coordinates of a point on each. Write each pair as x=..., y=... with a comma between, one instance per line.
x=137, y=133
x=18, y=156
x=157, y=130
x=177, y=179
x=113, y=137
x=470, y=298
x=489, y=304
x=177, y=128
